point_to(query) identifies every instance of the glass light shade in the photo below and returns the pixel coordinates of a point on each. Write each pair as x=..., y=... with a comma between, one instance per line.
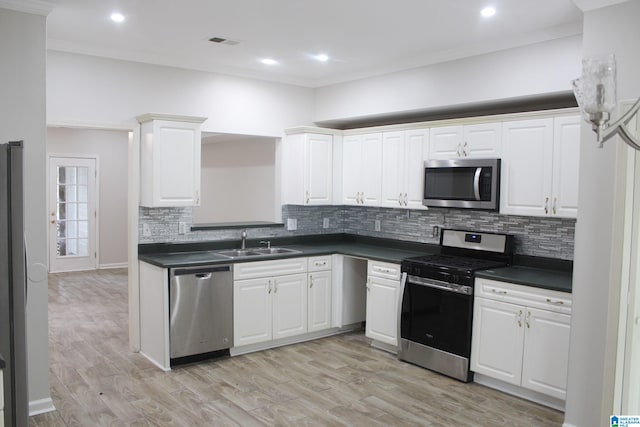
x=598, y=84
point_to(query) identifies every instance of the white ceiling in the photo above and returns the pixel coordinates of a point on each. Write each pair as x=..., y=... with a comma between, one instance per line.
x=363, y=37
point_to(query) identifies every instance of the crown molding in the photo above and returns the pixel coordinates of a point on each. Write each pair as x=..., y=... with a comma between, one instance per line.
x=36, y=7
x=587, y=5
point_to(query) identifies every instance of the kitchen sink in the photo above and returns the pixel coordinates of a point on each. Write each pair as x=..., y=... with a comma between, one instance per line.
x=254, y=252
x=274, y=251
x=236, y=253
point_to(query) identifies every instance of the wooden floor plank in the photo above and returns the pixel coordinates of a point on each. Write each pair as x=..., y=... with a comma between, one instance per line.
x=336, y=381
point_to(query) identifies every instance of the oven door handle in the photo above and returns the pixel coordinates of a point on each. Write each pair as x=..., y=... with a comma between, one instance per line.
x=403, y=282
x=476, y=183
x=444, y=286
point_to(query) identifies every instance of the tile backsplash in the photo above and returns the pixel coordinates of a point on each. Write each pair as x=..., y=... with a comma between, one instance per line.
x=546, y=237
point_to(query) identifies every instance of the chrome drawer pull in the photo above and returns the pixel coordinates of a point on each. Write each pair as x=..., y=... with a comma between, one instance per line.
x=555, y=302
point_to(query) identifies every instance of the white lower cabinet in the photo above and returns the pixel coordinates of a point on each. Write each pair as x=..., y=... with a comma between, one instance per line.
x=521, y=336
x=319, y=294
x=270, y=306
x=383, y=287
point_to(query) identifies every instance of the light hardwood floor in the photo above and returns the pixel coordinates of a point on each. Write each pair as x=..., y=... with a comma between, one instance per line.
x=97, y=381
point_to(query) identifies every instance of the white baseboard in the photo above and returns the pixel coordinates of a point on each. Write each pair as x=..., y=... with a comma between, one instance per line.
x=524, y=393
x=568, y=425
x=37, y=407
x=113, y=265
x=250, y=348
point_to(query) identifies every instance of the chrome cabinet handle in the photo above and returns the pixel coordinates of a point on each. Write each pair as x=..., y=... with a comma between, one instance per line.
x=528, y=319
x=197, y=197
x=310, y=281
x=546, y=205
x=269, y=286
x=406, y=199
x=555, y=202
x=499, y=292
x=275, y=286
x=362, y=198
x=400, y=199
x=464, y=151
x=320, y=264
x=307, y=196
x=520, y=319
x=558, y=302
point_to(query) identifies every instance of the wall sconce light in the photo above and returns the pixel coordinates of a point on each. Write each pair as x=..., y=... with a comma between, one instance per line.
x=595, y=92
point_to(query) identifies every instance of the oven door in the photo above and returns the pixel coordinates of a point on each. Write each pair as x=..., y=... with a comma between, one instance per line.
x=437, y=314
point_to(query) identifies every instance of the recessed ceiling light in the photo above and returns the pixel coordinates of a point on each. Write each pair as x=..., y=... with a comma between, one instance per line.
x=117, y=17
x=269, y=61
x=488, y=12
x=322, y=57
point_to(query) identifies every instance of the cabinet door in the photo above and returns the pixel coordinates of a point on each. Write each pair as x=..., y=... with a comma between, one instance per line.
x=319, y=301
x=497, y=340
x=371, y=172
x=382, y=307
x=170, y=164
x=566, y=160
x=526, y=172
x=252, y=311
x=546, y=352
x=482, y=140
x=393, y=169
x=416, y=152
x=289, y=305
x=318, y=171
x=351, y=169
x=445, y=142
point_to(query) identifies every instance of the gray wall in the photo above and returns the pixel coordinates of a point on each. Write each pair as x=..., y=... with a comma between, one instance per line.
x=111, y=148
x=598, y=256
x=547, y=237
x=22, y=117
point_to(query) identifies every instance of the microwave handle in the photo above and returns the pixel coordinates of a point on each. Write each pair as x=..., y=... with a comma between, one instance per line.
x=476, y=183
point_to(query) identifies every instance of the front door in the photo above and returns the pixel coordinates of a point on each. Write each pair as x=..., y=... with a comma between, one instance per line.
x=72, y=214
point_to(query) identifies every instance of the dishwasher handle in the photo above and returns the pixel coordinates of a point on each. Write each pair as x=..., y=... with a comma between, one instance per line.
x=201, y=272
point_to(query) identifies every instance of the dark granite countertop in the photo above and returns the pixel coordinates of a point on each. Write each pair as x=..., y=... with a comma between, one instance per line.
x=194, y=254
x=530, y=271
x=542, y=273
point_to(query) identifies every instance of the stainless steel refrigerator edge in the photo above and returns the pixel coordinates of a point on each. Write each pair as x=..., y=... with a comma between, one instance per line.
x=13, y=291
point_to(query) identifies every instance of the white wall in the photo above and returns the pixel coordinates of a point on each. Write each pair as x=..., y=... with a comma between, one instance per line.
x=544, y=68
x=90, y=90
x=22, y=117
x=238, y=181
x=111, y=148
x=595, y=291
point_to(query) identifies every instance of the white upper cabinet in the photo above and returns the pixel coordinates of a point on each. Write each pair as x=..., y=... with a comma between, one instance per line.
x=362, y=169
x=169, y=160
x=453, y=142
x=539, y=174
x=566, y=166
x=403, y=156
x=307, y=170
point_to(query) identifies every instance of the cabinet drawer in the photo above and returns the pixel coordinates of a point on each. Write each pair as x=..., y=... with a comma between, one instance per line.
x=545, y=299
x=384, y=270
x=319, y=263
x=277, y=267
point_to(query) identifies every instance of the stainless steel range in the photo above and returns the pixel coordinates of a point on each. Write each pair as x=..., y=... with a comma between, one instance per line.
x=436, y=307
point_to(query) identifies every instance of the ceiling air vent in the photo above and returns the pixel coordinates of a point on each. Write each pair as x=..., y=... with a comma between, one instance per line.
x=223, y=40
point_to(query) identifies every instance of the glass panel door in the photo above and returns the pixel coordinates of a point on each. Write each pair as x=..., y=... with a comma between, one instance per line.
x=73, y=215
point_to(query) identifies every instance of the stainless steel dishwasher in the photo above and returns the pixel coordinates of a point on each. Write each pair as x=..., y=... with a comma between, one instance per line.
x=200, y=310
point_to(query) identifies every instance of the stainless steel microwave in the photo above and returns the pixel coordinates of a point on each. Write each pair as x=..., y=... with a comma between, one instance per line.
x=462, y=183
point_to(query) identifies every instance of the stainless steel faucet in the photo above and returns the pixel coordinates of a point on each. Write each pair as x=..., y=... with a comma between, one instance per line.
x=266, y=242
x=243, y=236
